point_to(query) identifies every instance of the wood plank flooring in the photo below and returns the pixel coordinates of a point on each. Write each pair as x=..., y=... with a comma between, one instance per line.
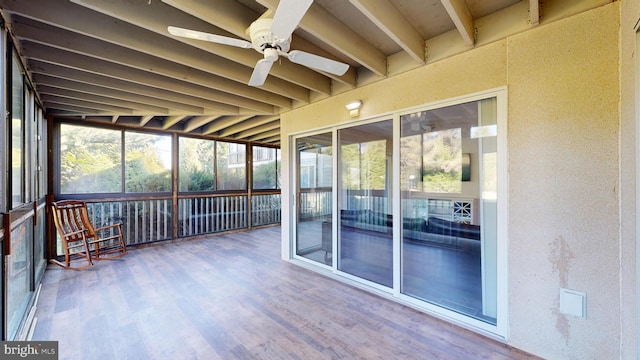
x=231, y=297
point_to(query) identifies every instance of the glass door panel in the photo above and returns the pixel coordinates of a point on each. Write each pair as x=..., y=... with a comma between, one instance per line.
x=314, y=208
x=365, y=232
x=448, y=178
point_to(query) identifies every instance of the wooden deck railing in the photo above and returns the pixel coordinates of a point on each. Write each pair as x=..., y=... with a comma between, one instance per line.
x=150, y=220
x=142, y=221
x=201, y=215
x=265, y=209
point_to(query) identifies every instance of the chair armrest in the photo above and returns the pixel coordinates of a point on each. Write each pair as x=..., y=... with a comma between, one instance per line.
x=74, y=233
x=105, y=227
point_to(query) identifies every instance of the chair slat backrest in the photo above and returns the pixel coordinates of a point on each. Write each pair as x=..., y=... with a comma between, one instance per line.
x=72, y=216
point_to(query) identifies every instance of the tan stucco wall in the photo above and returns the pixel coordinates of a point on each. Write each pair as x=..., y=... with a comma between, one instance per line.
x=470, y=72
x=564, y=161
x=564, y=195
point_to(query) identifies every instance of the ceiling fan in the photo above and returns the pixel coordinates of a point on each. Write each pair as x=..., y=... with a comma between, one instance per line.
x=272, y=37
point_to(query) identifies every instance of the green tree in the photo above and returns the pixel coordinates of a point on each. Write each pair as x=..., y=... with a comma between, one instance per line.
x=89, y=160
x=264, y=176
x=147, y=163
x=196, y=165
x=442, y=161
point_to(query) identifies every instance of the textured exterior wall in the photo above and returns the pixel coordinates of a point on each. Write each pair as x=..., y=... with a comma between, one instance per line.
x=564, y=163
x=563, y=191
x=474, y=71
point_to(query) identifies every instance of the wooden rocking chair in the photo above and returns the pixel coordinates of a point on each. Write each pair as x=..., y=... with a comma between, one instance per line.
x=81, y=242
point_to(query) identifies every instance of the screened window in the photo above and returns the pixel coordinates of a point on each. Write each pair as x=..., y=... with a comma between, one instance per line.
x=90, y=160
x=265, y=167
x=279, y=167
x=17, y=134
x=42, y=154
x=196, y=164
x=147, y=162
x=231, y=167
x=28, y=149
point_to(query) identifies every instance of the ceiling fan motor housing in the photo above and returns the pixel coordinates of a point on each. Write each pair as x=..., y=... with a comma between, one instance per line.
x=262, y=38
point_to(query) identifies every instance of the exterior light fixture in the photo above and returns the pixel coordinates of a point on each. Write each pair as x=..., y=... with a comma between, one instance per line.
x=354, y=107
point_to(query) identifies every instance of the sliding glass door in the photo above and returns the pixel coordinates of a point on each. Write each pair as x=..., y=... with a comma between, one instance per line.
x=416, y=207
x=314, y=184
x=366, y=222
x=448, y=184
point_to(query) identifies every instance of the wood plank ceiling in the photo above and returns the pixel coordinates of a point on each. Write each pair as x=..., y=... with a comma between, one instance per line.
x=114, y=61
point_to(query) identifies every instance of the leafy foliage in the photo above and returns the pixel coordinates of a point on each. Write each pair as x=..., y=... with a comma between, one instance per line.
x=442, y=161
x=196, y=165
x=364, y=165
x=90, y=160
x=264, y=176
x=146, y=170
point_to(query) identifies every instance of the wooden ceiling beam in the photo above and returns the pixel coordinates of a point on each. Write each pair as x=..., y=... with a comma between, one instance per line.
x=154, y=16
x=223, y=123
x=54, y=108
x=330, y=30
x=74, y=42
x=264, y=135
x=258, y=129
x=86, y=104
x=249, y=124
x=534, y=12
x=51, y=90
x=275, y=140
x=118, y=71
x=231, y=16
x=461, y=17
x=145, y=119
x=228, y=15
x=172, y=120
x=178, y=103
x=395, y=25
x=198, y=121
x=122, y=93
x=226, y=75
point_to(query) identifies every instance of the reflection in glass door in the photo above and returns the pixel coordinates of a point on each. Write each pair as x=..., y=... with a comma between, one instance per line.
x=365, y=237
x=314, y=162
x=448, y=178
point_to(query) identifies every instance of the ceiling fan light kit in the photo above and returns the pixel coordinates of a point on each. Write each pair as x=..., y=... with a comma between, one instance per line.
x=272, y=38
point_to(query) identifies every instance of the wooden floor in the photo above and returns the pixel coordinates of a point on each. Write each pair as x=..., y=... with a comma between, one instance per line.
x=232, y=297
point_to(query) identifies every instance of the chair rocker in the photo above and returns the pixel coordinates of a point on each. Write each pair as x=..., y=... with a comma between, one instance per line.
x=81, y=242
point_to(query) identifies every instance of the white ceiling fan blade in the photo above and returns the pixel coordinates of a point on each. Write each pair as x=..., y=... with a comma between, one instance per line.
x=288, y=16
x=317, y=62
x=199, y=35
x=260, y=72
